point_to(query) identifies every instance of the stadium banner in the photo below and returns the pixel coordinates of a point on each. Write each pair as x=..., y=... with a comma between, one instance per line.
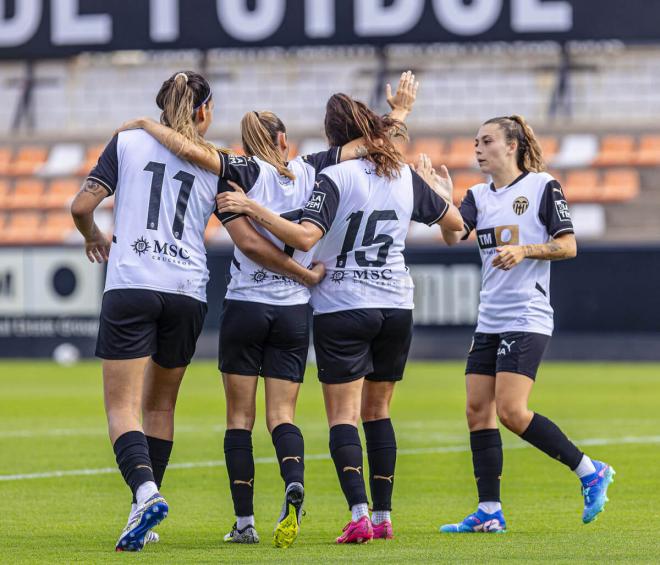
x=51, y=296
x=48, y=296
x=32, y=29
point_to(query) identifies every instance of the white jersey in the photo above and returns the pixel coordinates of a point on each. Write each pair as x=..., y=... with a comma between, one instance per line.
x=162, y=206
x=365, y=220
x=530, y=210
x=251, y=281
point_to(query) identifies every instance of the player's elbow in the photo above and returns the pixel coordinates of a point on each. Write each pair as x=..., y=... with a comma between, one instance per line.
x=80, y=209
x=305, y=243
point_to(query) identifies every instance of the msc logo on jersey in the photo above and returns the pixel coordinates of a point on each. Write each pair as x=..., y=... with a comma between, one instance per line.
x=315, y=202
x=520, y=205
x=562, y=210
x=497, y=236
x=141, y=245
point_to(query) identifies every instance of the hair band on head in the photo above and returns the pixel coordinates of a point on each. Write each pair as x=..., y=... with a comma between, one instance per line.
x=208, y=97
x=184, y=75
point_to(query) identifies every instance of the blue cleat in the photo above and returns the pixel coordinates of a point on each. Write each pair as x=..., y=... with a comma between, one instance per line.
x=478, y=522
x=594, y=490
x=148, y=516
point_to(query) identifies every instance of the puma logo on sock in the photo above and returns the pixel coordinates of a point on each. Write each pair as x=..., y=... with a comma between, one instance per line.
x=143, y=467
x=383, y=478
x=248, y=483
x=295, y=458
x=356, y=469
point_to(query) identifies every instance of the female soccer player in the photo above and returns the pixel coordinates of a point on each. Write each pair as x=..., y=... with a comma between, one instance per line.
x=155, y=293
x=523, y=223
x=264, y=330
x=360, y=212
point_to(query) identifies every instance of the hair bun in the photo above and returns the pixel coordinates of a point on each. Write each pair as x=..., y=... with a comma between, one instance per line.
x=184, y=75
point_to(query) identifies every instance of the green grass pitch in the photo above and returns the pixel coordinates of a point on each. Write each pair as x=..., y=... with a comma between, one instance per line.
x=51, y=419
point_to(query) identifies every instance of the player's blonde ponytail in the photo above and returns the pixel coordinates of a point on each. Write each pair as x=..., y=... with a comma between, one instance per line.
x=529, y=156
x=179, y=98
x=259, y=132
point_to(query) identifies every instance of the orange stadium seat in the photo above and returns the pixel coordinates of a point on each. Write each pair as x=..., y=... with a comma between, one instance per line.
x=28, y=193
x=648, y=153
x=56, y=228
x=461, y=153
x=463, y=181
x=5, y=160
x=582, y=186
x=616, y=150
x=28, y=160
x=620, y=185
x=22, y=227
x=5, y=194
x=434, y=147
x=91, y=157
x=60, y=193
x=549, y=145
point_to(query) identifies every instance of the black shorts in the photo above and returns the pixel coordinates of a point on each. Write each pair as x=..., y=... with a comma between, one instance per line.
x=265, y=340
x=510, y=352
x=137, y=323
x=370, y=342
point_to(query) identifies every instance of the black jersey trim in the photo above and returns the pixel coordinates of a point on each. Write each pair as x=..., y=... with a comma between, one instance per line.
x=564, y=230
x=517, y=180
x=468, y=231
x=319, y=224
x=541, y=289
x=444, y=213
x=228, y=219
x=104, y=184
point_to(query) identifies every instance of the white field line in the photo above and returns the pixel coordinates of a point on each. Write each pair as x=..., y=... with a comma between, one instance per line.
x=626, y=440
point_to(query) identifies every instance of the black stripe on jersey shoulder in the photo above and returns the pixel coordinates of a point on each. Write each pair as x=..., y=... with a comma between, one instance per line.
x=313, y=221
x=104, y=184
x=562, y=231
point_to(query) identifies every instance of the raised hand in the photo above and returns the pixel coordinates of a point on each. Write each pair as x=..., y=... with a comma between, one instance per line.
x=406, y=93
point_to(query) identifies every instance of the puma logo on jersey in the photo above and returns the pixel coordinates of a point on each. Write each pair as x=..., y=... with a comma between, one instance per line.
x=248, y=483
x=383, y=478
x=505, y=347
x=356, y=469
x=293, y=458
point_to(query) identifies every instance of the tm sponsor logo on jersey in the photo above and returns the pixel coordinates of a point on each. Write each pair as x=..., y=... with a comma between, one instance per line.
x=161, y=251
x=491, y=238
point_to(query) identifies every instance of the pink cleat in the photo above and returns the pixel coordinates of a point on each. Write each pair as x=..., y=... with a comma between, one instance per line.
x=357, y=532
x=383, y=530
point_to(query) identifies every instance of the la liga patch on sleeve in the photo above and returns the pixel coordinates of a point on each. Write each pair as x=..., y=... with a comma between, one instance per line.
x=315, y=202
x=562, y=210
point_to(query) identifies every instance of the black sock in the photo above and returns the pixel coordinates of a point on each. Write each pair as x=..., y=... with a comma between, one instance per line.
x=487, y=462
x=346, y=452
x=132, y=454
x=159, y=453
x=240, y=468
x=546, y=436
x=290, y=450
x=381, y=453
